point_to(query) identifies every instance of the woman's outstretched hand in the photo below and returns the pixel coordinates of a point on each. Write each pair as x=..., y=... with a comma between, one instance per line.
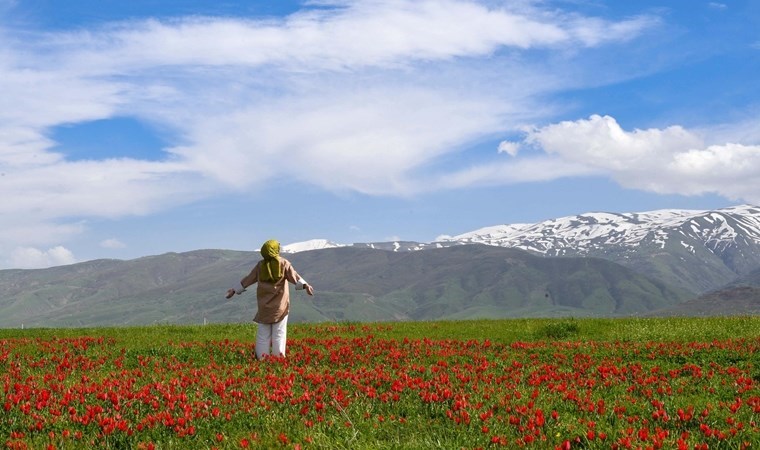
x=230, y=293
x=309, y=289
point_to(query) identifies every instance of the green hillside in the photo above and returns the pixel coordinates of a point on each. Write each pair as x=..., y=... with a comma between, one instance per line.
x=353, y=284
x=742, y=296
x=484, y=281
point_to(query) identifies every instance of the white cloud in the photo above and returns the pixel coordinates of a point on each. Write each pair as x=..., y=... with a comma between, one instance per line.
x=112, y=243
x=746, y=131
x=33, y=258
x=600, y=142
x=510, y=148
x=357, y=34
x=108, y=188
x=593, y=31
x=672, y=160
x=35, y=231
x=526, y=170
x=365, y=140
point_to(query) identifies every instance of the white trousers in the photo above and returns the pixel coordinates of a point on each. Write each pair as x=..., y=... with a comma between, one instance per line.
x=270, y=338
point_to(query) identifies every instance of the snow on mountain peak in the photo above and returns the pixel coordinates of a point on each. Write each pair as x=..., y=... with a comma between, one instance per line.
x=598, y=230
x=592, y=232
x=313, y=244
x=494, y=233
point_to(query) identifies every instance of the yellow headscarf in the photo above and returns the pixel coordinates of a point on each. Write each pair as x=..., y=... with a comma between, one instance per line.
x=270, y=269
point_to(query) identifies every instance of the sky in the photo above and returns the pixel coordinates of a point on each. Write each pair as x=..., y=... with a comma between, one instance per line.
x=136, y=128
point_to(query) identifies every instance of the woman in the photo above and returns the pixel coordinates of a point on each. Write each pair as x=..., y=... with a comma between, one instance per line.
x=273, y=297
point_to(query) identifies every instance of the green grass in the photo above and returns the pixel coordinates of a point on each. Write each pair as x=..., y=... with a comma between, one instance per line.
x=502, y=330
x=535, y=383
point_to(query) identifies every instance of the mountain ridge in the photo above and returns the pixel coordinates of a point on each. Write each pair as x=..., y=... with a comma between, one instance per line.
x=610, y=264
x=353, y=284
x=715, y=246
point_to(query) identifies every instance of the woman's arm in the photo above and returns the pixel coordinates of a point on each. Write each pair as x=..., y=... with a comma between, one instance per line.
x=248, y=280
x=302, y=284
x=295, y=278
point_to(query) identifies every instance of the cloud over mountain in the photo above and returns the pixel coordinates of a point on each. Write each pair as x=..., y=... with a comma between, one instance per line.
x=669, y=160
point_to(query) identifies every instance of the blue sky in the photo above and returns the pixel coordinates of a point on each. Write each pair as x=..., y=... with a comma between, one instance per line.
x=137, y=128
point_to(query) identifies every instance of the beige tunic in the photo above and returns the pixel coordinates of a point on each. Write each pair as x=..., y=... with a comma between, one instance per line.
x=273, y=298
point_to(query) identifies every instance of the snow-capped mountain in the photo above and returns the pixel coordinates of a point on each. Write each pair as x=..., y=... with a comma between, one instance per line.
x=313, y=244
x=697, y=250
x=394, y=246
x=590, y=233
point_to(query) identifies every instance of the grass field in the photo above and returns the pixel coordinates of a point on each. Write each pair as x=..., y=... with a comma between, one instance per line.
x=533, y=383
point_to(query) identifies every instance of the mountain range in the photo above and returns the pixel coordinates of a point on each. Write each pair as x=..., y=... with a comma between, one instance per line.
x=669, y=262
x=695, y=250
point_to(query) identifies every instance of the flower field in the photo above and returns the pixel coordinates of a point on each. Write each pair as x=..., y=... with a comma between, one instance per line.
x=380, y=386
